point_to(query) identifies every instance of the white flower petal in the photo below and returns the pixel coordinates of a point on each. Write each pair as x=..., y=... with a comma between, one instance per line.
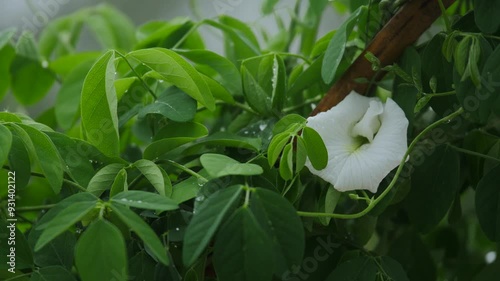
x=353, y=165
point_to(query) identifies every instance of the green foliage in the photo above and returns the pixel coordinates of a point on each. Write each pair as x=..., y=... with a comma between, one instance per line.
x=158, y=159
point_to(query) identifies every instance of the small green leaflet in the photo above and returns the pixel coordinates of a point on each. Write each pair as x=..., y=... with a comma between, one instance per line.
x=143, y=230
x=145, y=200
x=316, y=150
x=5, y=143
x=205, y=223
x=103, y=179
x=218, y=165
x=336, y=47
x=100, y=253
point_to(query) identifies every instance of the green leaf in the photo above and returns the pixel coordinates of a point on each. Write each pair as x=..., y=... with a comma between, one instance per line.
x=462, y=54
x=218, y=165
x=241, y=247
x=264, y=83
x=6, y=36
x=226, y=139
x=286, y=162
x=175, y=70
x=485, y=13
x=357, y=269
x=316, y=150
x=151, y=171
x=26, y=46
x=59, y=251
x=337, y=46
x=68, y=98
x=164, y=34
x=161, y=147
x=310, y=76
x=112, y=28
x=144, y=200
x=240, y=42
x=43, y=151
x=167, y=191
x=190, y=130
x=103, y=179
x=58, y=273
x=143, y=230
x=100, y=253
x=119, y=184
x=62, y=205
x=219, y=68
x=276, y=147
x=300, y=155
x=98, y=106
x=75, y=160
x=279, y=219
x=189, y=188
x=433, y=183
x=421, y=103
x=5, y=143
x=472, y=69
x=219, y=92
x=19, y=161
x=268, y=6
x=255, y=95
x=7, y=55
x=173, y=104
x=488, y=204
x=286, y=122
x=24, y=69
x=142, y=266
x=392, y=269
x=63, y=220
x=64, y=65
x=206, y=221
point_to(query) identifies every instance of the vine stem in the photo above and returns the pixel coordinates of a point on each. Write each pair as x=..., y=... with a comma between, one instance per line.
x=374, y=202
x=35, y=208
x=184, y=168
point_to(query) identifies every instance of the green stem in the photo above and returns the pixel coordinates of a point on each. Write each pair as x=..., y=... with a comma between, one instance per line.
x=138, y=76
x=394, y=180
x=184, y=168
x=74, y=184
x=247, y=196
x=305, y=103
x=35, y=208
x=444, y=94
x=285, y=54
x=473, y=153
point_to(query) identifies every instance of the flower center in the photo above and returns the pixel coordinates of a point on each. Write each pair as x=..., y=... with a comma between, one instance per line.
x=367, y=127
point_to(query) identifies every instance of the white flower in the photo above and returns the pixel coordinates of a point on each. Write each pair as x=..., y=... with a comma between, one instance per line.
x=365, y=140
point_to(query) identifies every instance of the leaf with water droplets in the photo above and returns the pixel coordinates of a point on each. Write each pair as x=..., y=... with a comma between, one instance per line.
x=145, y=200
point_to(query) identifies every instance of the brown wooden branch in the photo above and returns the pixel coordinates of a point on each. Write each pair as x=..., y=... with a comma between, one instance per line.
x=402, y=30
